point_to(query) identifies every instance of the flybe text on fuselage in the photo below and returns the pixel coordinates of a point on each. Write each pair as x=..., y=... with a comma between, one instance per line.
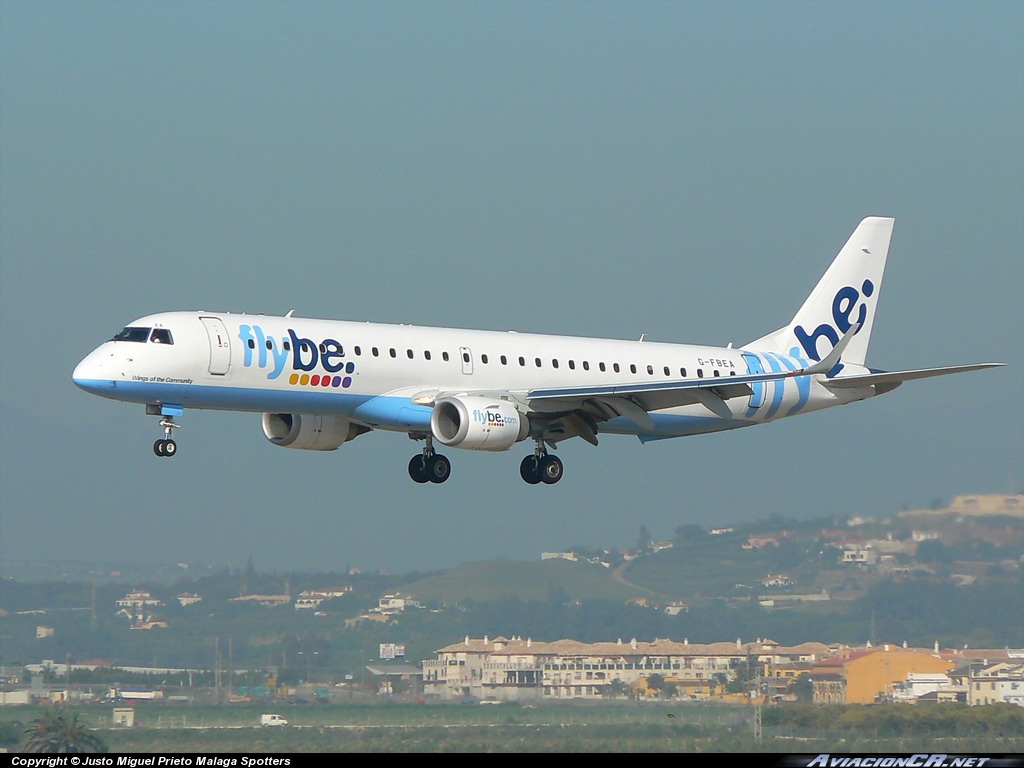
x=304, y=355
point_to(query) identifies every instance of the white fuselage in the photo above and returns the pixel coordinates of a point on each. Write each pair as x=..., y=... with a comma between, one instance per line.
x=385, y=376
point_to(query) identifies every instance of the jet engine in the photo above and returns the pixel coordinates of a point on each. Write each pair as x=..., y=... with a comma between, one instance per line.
x=310, y=432
x=478, y=423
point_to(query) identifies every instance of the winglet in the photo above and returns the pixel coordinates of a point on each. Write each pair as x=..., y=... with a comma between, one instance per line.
x=832, y=358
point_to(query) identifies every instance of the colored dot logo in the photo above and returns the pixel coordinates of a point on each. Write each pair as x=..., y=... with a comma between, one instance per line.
x=316, y=380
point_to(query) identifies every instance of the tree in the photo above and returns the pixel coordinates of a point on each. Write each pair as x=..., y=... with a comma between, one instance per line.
x=615, y=689
x=656, y=681
x=644, y=542
x=802, y=688
x=56, y=731
x=10, y=735
x=933, y=551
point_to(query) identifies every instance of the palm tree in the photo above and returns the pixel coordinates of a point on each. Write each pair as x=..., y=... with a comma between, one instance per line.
x=54, y=730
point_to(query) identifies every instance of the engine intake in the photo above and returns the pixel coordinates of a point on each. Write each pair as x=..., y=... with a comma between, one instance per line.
x=477, y=423
x=310, y=432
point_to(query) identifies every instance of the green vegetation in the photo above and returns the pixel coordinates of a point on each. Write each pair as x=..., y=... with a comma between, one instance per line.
x=58, y=730
x=528, y=581
x=610, y=728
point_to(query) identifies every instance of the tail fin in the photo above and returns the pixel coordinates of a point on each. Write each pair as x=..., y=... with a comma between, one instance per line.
x=847, y=294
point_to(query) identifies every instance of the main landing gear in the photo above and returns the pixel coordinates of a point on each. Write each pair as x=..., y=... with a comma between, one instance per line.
x=541, y=467
x=166, y=447
x=429, y=467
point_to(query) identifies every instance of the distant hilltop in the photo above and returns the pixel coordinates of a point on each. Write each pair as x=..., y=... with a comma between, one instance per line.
x=976, y=505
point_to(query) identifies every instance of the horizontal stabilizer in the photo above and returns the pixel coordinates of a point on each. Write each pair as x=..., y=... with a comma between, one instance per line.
x=898, y=377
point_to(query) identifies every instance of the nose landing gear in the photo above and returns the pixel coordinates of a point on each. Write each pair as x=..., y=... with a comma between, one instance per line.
x=166, y=447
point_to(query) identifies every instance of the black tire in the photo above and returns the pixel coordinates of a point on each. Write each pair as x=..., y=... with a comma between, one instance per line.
x=529, y=470
x=551, y=469
x=439, y=468
x=170, y=448
x=418, y=469
x=158, y=447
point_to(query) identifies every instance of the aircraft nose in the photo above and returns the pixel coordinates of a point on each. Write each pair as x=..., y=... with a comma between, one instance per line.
x=93, y=373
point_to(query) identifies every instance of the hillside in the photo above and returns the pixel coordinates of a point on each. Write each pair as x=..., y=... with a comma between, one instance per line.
x=498, y=579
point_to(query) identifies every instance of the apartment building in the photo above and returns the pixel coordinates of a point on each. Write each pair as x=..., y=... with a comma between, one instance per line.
x=527, y=670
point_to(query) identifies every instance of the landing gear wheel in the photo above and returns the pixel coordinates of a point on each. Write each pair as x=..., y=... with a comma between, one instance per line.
x=439, y=468
x=529, y=470
x=166, y=447
x=551, y=469
x=418, y=468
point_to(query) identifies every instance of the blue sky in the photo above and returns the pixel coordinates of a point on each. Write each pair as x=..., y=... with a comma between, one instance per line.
x=685, y=170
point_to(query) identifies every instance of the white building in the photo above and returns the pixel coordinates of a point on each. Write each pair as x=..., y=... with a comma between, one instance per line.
x=137, y=599
x=525, y=670
x=1002, y=682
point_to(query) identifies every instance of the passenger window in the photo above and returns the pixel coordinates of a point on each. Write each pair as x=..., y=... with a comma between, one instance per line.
x=504, y=360
x=586, y=366
x=632, y=368
x=162, y=336
x=375, y=352
x=522, y=361
x=572, y=365
x=537, y=360
x=358, y=350
x=444, y=356
x=483, y=359
x=650, y=370
x=393, y=352
x=251, y=344
x=668, y=372
x=426, y=354
x=615, y=367
x=554, y=363
x=409, y=353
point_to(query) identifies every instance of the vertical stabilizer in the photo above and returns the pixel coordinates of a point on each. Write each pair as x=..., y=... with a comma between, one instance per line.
x=846, y=294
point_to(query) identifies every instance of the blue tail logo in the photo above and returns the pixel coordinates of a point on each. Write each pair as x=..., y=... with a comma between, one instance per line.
x=846, y=301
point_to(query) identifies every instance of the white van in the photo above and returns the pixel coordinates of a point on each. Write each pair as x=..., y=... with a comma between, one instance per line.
x=266, y=720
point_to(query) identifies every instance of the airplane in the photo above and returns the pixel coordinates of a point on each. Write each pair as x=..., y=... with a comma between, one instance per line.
x=322, y=383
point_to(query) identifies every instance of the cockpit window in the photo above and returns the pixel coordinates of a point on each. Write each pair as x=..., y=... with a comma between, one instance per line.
x=161, y=336
x=132, y=333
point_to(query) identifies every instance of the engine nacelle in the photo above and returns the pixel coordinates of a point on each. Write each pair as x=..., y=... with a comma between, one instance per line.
x=477, y=423
x=311, y=433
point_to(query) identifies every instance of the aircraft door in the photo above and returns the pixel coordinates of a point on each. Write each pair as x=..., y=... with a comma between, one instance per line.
x=757, y=389
x=220, y=346
x=467, y=360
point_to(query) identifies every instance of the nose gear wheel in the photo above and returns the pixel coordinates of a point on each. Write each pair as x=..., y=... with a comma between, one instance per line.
x=166, y=447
